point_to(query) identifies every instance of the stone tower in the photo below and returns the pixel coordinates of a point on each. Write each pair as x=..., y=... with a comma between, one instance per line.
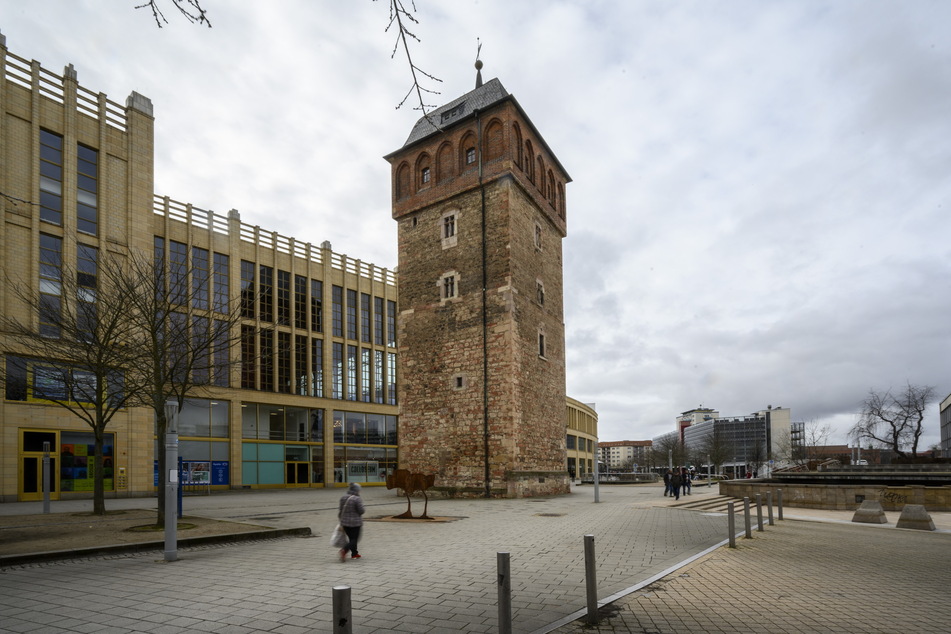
x=480, y=202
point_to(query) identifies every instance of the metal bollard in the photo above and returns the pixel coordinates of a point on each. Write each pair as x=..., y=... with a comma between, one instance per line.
x=731, y=523
x=591, y=579
x=341, y=610
x=746, y=518
x=769, y=507
x=505, y=593
x=779, y=495
x=759, y=512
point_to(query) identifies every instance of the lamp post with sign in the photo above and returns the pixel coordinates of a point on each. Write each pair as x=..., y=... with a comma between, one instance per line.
x=171, y=480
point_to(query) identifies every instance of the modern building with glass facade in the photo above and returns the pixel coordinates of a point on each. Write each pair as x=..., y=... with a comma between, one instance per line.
x=747, y=442
x=309, y=395
x=582, y=437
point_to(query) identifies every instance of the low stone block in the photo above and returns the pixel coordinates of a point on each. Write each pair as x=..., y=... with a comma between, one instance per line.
x=915, y=516
x=870, y=512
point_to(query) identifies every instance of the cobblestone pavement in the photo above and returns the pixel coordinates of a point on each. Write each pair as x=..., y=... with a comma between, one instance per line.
x=412, y=578
x=795, y=576
x=798, y=577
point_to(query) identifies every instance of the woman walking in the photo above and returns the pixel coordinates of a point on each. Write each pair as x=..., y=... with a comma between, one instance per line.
x=351, y=518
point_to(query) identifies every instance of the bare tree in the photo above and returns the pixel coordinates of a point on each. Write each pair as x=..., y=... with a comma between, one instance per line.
x=191, y=10
x=189, y=329
x=717, y=449
x=77, y=347
x=668, y=449
x=816, y=435
x=895, y=421
x=756, y=456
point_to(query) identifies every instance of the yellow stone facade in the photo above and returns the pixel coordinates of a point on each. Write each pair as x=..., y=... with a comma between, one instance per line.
x=352, y=401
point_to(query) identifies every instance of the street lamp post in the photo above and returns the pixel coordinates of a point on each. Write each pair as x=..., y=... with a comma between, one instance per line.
x=171, y=480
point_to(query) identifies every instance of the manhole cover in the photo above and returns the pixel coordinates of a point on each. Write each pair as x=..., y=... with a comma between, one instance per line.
x=550, y=514
x=264, y=518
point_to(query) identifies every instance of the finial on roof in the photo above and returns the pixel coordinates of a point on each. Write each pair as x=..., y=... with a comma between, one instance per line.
x=478, y=65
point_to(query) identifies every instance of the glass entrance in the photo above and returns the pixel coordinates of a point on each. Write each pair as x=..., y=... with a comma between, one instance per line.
x=298, y=473
x=31, y=466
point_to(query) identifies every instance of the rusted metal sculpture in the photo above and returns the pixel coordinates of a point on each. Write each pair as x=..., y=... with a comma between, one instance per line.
x=411, y=483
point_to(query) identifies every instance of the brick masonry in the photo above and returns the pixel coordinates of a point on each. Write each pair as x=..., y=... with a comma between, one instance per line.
x=448, y=403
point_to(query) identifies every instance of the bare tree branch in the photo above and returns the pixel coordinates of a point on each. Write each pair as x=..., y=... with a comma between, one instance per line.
x=190, y=9
x=895, y=421
x=400, y=16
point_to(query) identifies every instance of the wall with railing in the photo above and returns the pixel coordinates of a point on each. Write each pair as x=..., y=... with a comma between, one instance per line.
x=32, y=76
x=253, y=234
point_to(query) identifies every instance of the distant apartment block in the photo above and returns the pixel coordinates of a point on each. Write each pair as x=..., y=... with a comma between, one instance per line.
x=626, y=455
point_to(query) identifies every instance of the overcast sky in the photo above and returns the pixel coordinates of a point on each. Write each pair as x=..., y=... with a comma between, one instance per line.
x=761, y=206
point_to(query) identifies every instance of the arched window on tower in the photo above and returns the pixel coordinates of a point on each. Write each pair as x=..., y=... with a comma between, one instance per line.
x=468, y=152
x=540, y=166
x=551, y=188
x=424, y=175
x=444, y=169
x=402, y=181
x=561, y=200
x=517, y=144
x=530, y=161
x=493, y=140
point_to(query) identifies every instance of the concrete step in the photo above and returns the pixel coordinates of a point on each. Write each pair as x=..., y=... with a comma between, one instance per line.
x=716, y=503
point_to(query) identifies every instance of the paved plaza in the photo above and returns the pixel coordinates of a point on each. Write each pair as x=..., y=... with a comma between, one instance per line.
x=659, y=570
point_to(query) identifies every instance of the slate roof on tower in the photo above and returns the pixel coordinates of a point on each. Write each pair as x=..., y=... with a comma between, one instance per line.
x=460, y=108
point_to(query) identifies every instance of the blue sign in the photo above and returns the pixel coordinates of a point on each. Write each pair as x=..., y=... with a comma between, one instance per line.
x=220, y=472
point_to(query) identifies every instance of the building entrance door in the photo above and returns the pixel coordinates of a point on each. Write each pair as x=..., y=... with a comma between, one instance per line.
x=31, y=466
x=298, y=473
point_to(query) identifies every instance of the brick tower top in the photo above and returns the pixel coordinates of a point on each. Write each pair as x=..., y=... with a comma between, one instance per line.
x=440, y=158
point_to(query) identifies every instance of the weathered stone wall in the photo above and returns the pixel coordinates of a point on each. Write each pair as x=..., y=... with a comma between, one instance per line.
x=443, y=420
x=843, y=497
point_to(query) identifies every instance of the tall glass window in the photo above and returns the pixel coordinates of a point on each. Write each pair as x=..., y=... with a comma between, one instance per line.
x=222, y=293
x=178, y=271
x=351, y=314
x=87, y=273
x=284, y=362
x=222, y=356
x=300, y=302
x=51, y=177
x=267, y=360
x=283, y=298
x=336, y=369
x=87, y=189
x=248, y=365
x=317, y=365
x=201, y=367
x=352, y=385
x=300, y=365
x=378, y=376
x=316, y=304
x=391, y=324
x=378, y=317
x=365, y=374
x=266, y=293
x=337, y=310
x=364, y=318
x=200, y=277
x=391, y=377
x=51, y=284
x=247, y=289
